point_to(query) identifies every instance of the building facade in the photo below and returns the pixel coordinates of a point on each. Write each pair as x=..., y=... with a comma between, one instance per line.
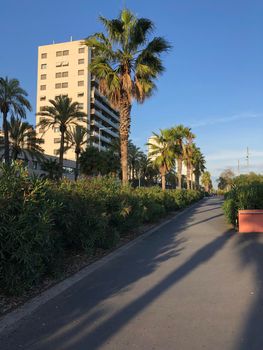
x=63, y=69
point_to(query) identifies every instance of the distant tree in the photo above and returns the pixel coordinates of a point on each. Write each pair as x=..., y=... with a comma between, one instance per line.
x=77, y=138
x=206, y=181
x=225, y=180
x=61, y=113
x=13, y=101
x=23, y=140
x=198, y=162
x=162, y=153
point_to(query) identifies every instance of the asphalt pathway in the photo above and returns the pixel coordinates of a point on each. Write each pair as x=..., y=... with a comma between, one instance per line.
x=193, y=284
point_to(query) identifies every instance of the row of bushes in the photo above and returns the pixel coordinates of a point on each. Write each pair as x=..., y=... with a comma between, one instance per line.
x=41, y=220
x=242, y=197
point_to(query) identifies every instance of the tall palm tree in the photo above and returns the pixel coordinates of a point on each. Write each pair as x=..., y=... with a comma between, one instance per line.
x=77, y=137
x=188, y=155
x=162, y=153
x=126, y=63
x=23, y=139
x=198, y=164
x=12, y=100
x=180, y=132
x=61, y=113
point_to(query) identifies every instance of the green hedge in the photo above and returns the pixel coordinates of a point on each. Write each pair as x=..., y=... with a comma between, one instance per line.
x=242, y=197
x=41, y=220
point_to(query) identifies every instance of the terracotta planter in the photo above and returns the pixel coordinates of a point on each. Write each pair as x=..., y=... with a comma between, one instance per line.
x=250, y=220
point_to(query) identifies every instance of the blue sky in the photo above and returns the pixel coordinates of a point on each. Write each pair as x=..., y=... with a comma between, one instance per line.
x=214, y=74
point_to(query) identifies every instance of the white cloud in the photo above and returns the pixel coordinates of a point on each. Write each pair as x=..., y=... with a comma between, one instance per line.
x=235, y=117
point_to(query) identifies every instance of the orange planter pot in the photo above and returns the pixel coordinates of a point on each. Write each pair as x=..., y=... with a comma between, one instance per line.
x=250, y=220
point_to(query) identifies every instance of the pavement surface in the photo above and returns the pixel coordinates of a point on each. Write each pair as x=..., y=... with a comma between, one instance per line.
x=192, y=284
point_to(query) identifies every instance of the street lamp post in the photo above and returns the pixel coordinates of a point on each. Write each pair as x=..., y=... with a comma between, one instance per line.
x=103, y=128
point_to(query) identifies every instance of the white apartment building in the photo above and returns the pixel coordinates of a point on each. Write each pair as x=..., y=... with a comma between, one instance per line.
x=63, y=69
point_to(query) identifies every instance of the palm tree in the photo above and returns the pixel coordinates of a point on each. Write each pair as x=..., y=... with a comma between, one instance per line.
x=52, y=168
x=77, y=137
x=126, y=64
x=23, y=139
x=62, y=113
x=12, y=100
x=180, y=132
x=134, y=155
x=188, y=155
x=206, y=181
x=162, y=153
x=198, y=164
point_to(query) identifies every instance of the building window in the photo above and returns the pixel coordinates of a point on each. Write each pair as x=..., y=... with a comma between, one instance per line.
x=64, y=85
x=43, y=55
x=56, y=152
x=59, y=64
x=59, y=53
x=64, y=74
x=58, y=86
x=81, y=105
x=81, y=50
x=42, y=108
x=42, y=98
x=42, y=87
x=43, y=76
x=81, y=83
x=81, y=61
x=65, y=52
x=81, y=72
x=56, y=129
x=81, y=94
x=65, y=63
x=57, y=140
x=43, y=66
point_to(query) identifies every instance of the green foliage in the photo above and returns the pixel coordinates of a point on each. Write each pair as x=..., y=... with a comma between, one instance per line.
x=248, y=196
x=41, y=219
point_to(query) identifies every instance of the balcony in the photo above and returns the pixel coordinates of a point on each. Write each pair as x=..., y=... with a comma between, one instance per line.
x=101, y=106
x=105, y=119
x=102, y=138
x=100, y=126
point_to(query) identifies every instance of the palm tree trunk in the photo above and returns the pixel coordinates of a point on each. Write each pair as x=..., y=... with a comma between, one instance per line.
x=6, y=138
x=188, y=176
x=163, y=179
x=125, y=120
x=192, y=178
x=61, y=152
x=77, y=166
x=179, y=172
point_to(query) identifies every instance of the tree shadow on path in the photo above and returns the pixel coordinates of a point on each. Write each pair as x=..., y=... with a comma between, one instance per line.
x=251, y=253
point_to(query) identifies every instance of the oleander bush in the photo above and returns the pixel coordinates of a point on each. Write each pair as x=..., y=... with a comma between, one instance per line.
x=41, y=220
x=242, y=197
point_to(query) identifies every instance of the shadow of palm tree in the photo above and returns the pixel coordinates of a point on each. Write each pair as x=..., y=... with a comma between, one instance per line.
x=250, y=247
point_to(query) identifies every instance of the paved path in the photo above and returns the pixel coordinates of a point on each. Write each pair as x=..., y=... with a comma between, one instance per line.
x=193, y=284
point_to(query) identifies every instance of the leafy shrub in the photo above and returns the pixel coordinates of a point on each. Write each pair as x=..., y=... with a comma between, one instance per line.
x=41, y=219
x=242, y=197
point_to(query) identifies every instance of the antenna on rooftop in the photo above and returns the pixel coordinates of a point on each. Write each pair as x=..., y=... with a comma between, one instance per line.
x=247, y=158
x=53, y=42
x=71, y=38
